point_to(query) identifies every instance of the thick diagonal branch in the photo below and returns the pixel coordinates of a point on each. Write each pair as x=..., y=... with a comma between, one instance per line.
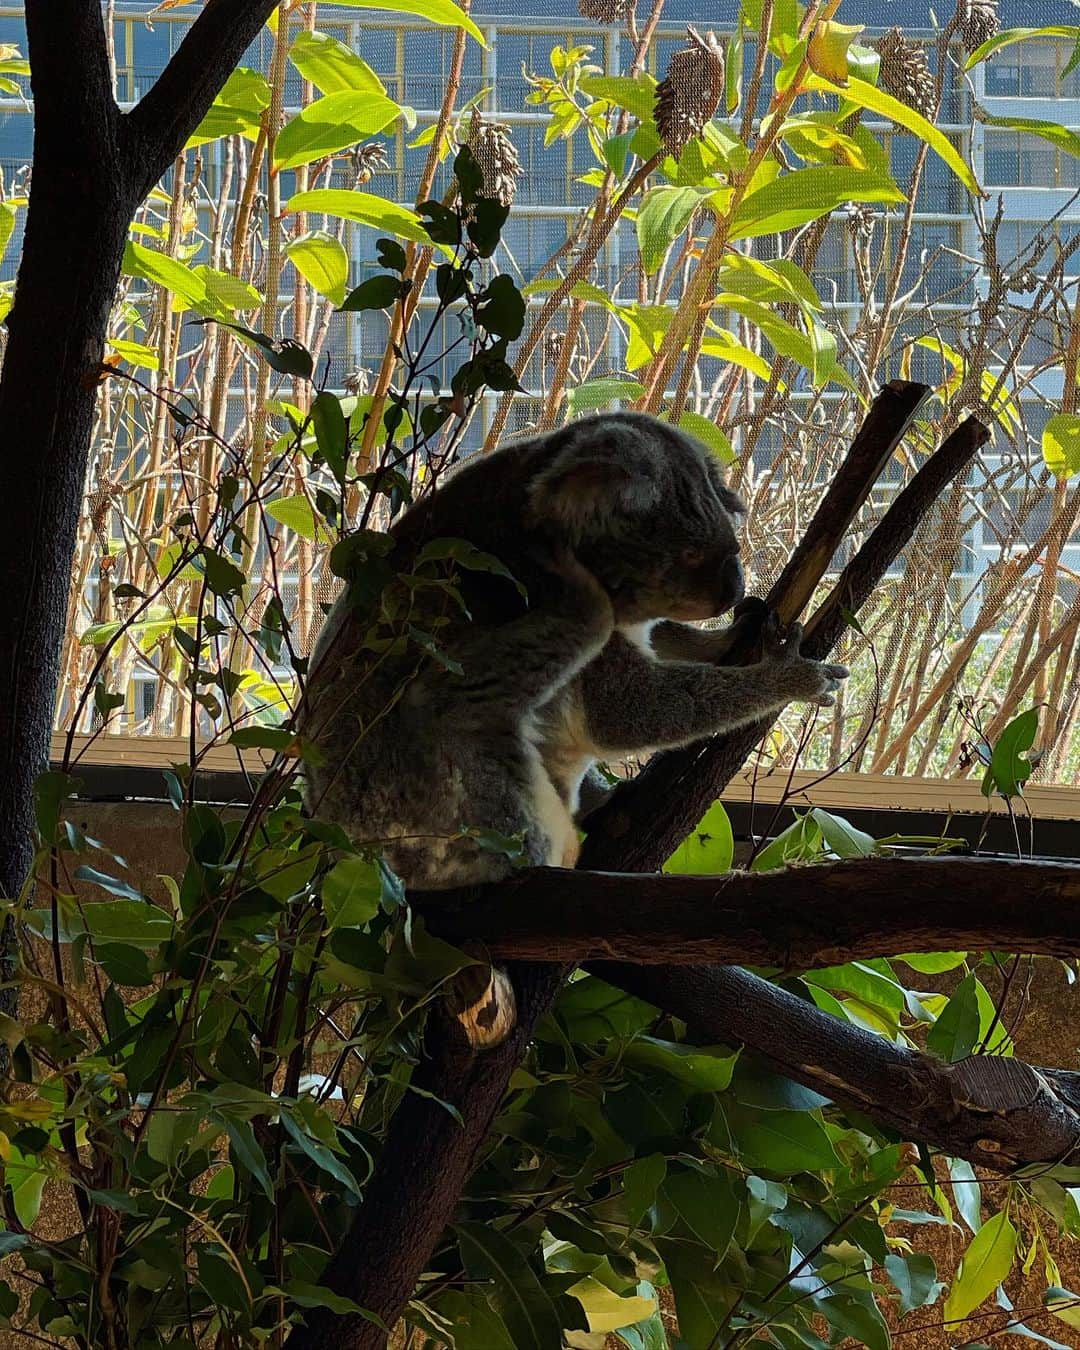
x=797, y=918
x=162, y=122
x=999, y=1113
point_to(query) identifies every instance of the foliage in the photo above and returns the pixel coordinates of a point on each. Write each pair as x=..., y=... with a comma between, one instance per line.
x=208, y=1071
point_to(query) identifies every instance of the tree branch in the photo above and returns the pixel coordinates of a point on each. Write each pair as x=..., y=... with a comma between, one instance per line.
x=162, y=122
x=797, y=918
x=996, y=1112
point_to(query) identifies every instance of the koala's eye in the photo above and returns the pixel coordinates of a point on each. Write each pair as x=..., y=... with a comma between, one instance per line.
x=693, y=557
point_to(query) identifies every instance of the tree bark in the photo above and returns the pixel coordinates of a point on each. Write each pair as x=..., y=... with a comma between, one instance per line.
x=796, y=918
x=92, y=166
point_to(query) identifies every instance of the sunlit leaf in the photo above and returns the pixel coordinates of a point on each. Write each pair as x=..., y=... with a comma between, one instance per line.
x=363, y=208
x=332, y=66
x=987, y=1261
x=321, y=259
x=330, y=124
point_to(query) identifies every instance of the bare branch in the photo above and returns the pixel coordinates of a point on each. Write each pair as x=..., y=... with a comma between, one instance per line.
x=796, y=918
x=162, y=122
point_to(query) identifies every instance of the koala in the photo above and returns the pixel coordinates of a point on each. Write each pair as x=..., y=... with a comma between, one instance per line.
x=622, y=534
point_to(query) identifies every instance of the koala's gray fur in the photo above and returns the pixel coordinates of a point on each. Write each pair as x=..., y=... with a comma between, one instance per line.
x=612, y=523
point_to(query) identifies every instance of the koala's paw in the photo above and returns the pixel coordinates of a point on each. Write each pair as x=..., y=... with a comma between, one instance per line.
x=800, y=678
x=749, y=619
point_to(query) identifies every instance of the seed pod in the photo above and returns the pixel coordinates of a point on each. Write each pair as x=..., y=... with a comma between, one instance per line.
x=905, y=72
x=976, y=22
x=691, y=91
x=496, y=157
x=603, y=11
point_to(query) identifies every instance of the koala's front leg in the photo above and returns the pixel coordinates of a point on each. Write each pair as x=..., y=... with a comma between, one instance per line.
x=634, y=703
x=673, y=641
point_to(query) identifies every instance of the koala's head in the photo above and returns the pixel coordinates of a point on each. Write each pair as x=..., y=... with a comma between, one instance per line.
x=645, y=509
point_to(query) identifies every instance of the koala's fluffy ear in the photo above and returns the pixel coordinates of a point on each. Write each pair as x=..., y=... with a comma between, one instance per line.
x=585, y=486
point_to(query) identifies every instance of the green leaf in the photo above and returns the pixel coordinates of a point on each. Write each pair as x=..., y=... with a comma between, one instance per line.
x=984, y=1265
x=862, y=1322
x=351, y=892
x=593, y=394
x=808, y=194
x=376, y=293
x=262, y=738
x=709, y=434
x=698, y=1067
x=127, y=921
x=363, y=208
x=966, y=1191
x=723, y=346
x=637, y=95
x=474, y=1323
x=800, y=842
x=227, y=293
x=442, y=12
x=321, y=259
x=1061, y=445
x=594, y=1011
x=1008, y=36
x=318, y=1152
x=1063, y=1304
x=111, y=884
x=1009, y=769
x=296, y=514
x=164, y=271
x=606, y=1310
x=662, y=216
x=707, y=1204
x=330, y=124
x=222, y=1281
x=307, y=1295
x=709, y=850
x=245, y=1150
x=787, y=1142
x=876, y=100
x=814, y=350
x=915, y=1278
x=641, y=1181
x=331, y=66
x=237, y=109
x=123, y=965
x=702, y=1294
x=223, y=577
x=1054, y=132
x=331, y=432
x=842, y=837
x=956, y=1032
x=517, y=1295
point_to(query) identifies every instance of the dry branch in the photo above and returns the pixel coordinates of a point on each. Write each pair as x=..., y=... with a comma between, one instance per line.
x=797, y=918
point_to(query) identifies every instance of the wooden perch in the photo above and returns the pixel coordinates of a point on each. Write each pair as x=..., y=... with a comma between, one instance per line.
x=405, y=1209
x=796, y=918
x=998, y=1113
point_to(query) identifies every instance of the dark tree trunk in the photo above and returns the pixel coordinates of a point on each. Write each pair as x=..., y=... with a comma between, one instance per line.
x=92, y=167
x=80, y=207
